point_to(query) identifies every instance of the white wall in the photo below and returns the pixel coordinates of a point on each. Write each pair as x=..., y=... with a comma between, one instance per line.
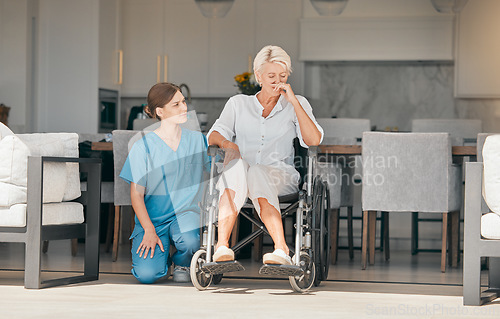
x=67, y=81
x=13, y=60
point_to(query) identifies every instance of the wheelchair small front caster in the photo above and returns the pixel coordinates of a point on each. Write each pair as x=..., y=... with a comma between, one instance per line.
x=305, y=281
x=200, y=279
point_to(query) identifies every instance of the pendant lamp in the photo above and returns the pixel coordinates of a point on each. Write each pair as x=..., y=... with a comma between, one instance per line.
x=214, y=8
x=329, y=7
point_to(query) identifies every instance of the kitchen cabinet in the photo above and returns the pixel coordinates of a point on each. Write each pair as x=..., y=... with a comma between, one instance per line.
x=110, y=55
x=277, y=23
x=163, y=40
x=171, y=40
x=186, y=46
x=231, y=47
x=67, y=63
x=477, y=58
x=142, y=30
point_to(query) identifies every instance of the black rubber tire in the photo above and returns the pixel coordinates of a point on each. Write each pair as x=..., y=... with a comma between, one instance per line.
x=321, y=231
x=325, y=233
x=216, y=279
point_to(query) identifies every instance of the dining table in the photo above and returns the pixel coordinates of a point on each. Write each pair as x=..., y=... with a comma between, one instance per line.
x=325, y=149
x=357, y=150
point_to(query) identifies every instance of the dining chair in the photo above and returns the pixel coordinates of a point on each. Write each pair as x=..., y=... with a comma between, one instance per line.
x=482, y=228
x=122, y=142
x=342, y=131
x=408, y=172
x=462, y=132
x=148, y=124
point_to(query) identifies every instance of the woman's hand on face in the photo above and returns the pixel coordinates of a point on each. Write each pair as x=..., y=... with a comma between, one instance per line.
x=149, y=242
x=231, y=152
x=285, y=89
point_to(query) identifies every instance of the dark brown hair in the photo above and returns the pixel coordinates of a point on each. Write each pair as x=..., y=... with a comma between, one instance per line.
x=159, y=95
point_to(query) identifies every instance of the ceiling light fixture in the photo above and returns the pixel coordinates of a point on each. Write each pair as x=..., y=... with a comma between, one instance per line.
x=448, y=6
x=329, y=7
x=214, y=8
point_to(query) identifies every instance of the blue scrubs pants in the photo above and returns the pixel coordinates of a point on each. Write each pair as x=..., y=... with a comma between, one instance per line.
x=149, y=270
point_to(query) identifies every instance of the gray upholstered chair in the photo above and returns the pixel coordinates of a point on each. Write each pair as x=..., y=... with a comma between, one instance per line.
x=122, y=141
x=482, y=231
x=148, y=124
x=462, y=132
x=408, y=172
x=342, y=131
x=41, y=199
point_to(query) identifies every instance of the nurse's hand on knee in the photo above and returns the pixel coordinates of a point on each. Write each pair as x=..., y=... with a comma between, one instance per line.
x=148, y=244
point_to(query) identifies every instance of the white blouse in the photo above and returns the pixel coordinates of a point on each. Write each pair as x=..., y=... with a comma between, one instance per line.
x=267, y=141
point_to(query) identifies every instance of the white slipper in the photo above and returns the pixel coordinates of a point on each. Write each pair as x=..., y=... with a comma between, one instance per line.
x=223, y=254
x=277, y=257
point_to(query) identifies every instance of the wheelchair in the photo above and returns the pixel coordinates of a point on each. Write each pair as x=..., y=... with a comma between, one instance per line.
x=311, y=251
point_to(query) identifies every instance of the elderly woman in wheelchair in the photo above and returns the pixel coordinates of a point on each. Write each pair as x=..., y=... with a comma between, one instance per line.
x=256, y=134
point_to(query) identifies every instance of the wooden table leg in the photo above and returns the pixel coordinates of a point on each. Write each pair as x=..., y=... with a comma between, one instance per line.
x=372, y=222
x=364, y=241
x=116, y=234
x=444, y=240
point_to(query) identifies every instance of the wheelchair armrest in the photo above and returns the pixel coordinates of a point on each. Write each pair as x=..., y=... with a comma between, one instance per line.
x=212, y=150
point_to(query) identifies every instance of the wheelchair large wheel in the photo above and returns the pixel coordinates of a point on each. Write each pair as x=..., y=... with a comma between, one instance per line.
x=304, y=282
x=200, y=279
x=321, y=233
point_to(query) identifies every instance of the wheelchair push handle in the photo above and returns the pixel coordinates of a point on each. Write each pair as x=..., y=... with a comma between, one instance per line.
x=312, y=151
x=212, y=150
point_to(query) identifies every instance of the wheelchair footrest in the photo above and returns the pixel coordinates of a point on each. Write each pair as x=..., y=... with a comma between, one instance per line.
x=216, y=268
x=280, y=270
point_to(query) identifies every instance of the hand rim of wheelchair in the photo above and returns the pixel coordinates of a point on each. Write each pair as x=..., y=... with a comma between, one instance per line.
x=199, y=278
x=304, y=282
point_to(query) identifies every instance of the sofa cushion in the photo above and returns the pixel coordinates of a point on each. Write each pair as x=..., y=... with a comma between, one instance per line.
x=13, y=161
x=14, y=169
x=491, y=176
x=490, y=226
x=57, y=144
x=12, y=194
x=4, y=131
x=53, y=214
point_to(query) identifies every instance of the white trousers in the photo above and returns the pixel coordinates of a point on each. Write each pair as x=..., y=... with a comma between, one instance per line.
x=256, y=181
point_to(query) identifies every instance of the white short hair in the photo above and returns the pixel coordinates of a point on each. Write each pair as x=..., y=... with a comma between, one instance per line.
x=272, y=54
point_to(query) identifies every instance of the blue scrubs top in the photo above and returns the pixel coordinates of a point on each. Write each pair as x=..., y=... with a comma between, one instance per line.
x=172, y=180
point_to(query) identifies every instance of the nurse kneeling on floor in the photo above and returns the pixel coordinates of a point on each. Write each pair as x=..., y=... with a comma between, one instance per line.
x=165, y=172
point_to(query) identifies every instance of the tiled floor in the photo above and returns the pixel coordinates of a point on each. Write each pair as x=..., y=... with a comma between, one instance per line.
x=405, y=286
x=402, y=267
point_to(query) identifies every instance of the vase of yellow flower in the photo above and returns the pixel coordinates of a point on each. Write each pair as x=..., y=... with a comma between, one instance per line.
x=246, y=83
